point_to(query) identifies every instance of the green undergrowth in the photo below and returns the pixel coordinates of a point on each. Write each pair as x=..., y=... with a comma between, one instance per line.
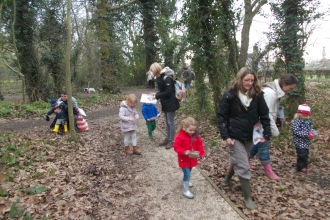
x=39, y=108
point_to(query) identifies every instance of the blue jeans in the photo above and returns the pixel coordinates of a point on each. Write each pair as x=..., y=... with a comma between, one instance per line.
x=170, y=125
x=262, y=149
x=187, y=85
x=186, y=174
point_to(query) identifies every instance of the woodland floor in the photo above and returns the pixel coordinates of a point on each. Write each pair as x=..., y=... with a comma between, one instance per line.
x=94, y=179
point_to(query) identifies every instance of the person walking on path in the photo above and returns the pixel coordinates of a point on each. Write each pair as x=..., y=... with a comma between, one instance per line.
x=303, y=132
x=150, y=80
x=168, y=100
x=273, y=92
x=150, y=113
x=240, y=108
x=189, y=146
x=128, y=116
x=187, y=77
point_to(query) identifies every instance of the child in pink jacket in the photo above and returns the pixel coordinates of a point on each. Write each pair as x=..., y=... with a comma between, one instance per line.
x=128, y=116
x=189, y=147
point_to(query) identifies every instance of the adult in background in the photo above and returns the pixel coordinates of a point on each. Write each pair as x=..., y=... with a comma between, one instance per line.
x=168, y=100
x=187, y=77
x=150, y=80
x=273, y=92
x=64, y=98
x=241, y=107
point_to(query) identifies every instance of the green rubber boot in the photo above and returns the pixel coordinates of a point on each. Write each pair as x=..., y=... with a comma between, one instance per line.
x=246, y=189
x=228, y=177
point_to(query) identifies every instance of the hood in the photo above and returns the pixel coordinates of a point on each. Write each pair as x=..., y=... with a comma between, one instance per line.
x=167, y=72
x=276, y=87
x=270, y=85
x=123, y=104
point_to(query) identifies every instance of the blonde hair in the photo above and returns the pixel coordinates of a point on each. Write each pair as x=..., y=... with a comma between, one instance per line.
x=296, y=116
x=185, y=123
x=237, y=84
x=155, y=68
x=131, y=98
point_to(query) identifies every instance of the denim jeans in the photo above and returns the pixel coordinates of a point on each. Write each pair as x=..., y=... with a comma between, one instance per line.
x=186, y=174
x=187, y=85
x=262, y=149
x=170, y=125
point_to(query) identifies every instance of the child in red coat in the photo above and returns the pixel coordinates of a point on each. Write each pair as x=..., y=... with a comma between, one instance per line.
x=189, y=147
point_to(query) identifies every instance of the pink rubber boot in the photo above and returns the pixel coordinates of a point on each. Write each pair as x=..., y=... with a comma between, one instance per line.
x=251, y=166
x=270, y=173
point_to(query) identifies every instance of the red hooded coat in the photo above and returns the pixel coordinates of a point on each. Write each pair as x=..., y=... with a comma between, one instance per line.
x=183, y=142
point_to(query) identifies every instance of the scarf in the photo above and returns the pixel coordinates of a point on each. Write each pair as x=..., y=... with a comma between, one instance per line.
x=244, y=100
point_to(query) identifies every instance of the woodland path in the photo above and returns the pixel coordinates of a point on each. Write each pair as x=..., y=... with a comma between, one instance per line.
x=124, y=187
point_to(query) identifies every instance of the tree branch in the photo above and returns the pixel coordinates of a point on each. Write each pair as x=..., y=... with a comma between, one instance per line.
x=122, y=6
x=19, y=73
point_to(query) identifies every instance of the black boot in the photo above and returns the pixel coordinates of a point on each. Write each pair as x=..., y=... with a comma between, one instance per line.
x=246, y=189
x=228, y=177
x=165, y=141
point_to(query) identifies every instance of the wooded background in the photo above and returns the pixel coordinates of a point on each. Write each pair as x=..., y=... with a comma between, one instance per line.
x=114, y=42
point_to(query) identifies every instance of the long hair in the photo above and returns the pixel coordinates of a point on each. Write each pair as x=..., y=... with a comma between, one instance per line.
x=185, y=123
x=237, y=84
x=131, y=98
x=155, y=68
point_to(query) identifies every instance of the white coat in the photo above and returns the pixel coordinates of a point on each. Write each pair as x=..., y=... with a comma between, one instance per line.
x=272, y=94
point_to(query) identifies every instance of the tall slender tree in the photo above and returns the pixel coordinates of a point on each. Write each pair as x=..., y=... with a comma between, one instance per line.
x=25, y=33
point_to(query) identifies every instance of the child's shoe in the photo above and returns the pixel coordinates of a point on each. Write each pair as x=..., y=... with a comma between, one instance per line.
x=128, y=150
x=136, y=150
x=305, y=170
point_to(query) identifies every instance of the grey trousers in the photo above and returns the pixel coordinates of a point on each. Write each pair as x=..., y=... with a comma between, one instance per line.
x=170, y=125
x=239, y=158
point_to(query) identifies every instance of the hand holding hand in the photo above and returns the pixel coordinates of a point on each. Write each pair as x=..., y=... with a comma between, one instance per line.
x=203, y=159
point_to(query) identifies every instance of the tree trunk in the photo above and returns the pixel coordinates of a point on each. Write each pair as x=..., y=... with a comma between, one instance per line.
x=108, y=71
x=27, y=53
x=249, y=14
x=68, y=71
x=293, y=53
x=149, y=31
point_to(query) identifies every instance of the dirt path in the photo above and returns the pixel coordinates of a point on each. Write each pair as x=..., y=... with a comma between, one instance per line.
x=98, y=181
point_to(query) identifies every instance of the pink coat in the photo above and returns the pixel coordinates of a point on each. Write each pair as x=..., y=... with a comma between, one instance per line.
x=125, y=113
x=183, y=142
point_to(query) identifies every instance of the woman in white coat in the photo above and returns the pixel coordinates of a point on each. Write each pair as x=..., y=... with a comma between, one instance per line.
x=273, y=92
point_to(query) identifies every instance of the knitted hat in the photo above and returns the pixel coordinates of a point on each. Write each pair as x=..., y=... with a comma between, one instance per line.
x=304, y=109
x=53, y=102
